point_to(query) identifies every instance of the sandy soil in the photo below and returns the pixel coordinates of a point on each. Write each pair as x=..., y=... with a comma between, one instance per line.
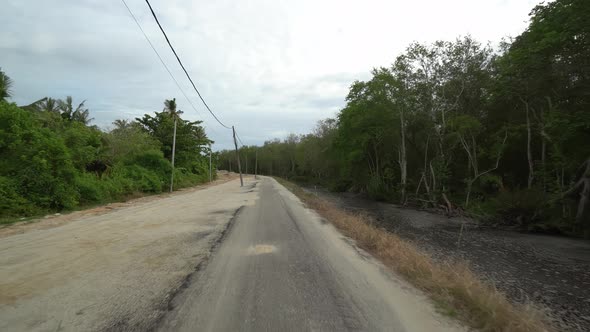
x=114, y=267
x=58, y=219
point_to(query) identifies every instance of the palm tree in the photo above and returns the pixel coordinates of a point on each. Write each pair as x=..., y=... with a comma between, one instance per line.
x=66, y=108
x=48, y=104
x=122, y=124
x=35, y=106
x=170, y=107
x=5, y=86
x=80, y=114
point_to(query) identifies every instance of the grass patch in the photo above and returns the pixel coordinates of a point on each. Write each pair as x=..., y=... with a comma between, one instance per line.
x=453, y=287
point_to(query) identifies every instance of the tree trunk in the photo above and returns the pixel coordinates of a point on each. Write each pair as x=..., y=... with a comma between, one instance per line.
x=472, y=156
x=529, y=153
x=403, y=162
x=376, y=160
x=469, y=186
x=583, y=186
x=543, y=154
x=583, y=214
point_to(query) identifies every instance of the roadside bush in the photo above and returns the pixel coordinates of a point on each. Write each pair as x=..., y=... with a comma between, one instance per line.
x=142, y=179
x=116, y=186
x=376, y=189
x=338, y=185
x=154, y=161
x=522, y=207
x=90, y=188
x=36, y=159
x=45, y=158
x=12, y=203
x=183, y=178
x=200, y=167
x=83, y=143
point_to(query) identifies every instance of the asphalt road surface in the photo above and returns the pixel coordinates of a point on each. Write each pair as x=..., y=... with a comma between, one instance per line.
x=281, y=268
x=219, y=257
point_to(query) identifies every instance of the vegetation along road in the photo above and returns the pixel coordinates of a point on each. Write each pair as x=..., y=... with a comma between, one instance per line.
x=459, y=165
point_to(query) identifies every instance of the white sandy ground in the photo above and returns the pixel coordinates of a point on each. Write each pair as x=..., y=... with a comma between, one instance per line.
x=112, y=271
x=118, y=271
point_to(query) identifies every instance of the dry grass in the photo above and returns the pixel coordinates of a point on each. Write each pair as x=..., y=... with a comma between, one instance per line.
x=453, y=287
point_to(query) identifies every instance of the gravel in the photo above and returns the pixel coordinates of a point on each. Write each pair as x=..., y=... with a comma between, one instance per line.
x=550, y=272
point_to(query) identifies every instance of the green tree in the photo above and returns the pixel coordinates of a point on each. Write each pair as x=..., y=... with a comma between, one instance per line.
x=37, y=159
x=79, y=114
x=5, y=86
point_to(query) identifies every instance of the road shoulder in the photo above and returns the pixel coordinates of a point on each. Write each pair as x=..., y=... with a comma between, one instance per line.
x=116, y=270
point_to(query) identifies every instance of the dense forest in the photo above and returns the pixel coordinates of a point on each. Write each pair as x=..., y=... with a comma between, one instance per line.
x=52, y=159
x=501, y=134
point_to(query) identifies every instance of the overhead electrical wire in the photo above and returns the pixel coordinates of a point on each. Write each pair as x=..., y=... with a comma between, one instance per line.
x=239, y=139
x=181, y=65
x=161, y=60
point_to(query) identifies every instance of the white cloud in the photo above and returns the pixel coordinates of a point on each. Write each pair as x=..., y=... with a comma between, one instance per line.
x=267, y=67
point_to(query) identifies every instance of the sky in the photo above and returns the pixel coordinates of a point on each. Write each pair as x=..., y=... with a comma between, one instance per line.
x=269, y=68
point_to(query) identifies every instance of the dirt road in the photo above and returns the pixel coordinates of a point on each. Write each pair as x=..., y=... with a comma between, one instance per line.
x=114, y=271
x=282, y=268
x=277, y=267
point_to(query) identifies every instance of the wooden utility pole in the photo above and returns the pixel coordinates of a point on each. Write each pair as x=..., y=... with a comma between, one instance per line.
x=173, y=150
x=238, y=157
x=210, y=169
x=256, y=165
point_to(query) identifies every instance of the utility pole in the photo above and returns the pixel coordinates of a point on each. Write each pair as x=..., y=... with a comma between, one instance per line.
x=238, y=157
x=210, y=169
x=246, y=162
x=256, y=165
x=173, y=150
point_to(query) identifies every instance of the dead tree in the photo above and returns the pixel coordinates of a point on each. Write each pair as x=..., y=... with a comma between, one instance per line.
x=471, y=149
x=529, y=152
x=582, y=186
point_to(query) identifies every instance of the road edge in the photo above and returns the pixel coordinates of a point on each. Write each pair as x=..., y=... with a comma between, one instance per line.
x=462, y=296
x=167, y=305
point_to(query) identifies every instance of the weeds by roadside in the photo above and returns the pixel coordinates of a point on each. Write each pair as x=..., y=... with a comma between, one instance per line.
x=455, y=289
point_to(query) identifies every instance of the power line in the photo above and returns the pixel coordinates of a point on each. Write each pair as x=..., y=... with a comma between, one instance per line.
x=181, y=65
x=239, y=139
x=161, y=60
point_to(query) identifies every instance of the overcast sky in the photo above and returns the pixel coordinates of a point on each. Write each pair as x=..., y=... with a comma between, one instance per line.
x=268, y=67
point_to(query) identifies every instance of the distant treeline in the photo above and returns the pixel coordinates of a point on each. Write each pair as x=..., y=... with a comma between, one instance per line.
x=51, y=159
x=501, y=133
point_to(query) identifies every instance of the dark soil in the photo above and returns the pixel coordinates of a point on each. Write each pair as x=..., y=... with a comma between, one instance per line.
x=550, y=271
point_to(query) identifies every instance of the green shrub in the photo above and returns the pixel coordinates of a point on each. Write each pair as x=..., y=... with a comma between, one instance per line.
x=43, y=162
x=376, y=189
x=36, y=159
x=116, y=186
x=183, y=178
x=12, y=203
x=154, y=161
x=142, y=179
x=90, y=189
x=522, y=207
